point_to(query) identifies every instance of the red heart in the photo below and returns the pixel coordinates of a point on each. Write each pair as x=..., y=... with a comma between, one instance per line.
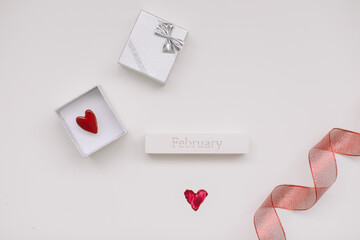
x=197, y=199
x=88, y=123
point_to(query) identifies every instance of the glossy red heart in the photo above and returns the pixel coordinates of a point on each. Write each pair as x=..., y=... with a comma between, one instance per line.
x=195, y=199
x=88, y=123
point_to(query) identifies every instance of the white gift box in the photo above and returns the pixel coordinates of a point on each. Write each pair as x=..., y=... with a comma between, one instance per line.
x=153, y=46
x=109, y=126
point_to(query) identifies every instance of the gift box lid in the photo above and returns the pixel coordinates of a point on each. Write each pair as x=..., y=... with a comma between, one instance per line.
x=153, y=47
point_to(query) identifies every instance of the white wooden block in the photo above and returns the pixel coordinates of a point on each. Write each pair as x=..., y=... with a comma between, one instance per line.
x=233, y=143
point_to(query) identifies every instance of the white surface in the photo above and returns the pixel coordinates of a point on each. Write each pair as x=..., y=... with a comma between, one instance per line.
x=144, y=50
x=285, y=72
x=199, y=143
x=109, y=127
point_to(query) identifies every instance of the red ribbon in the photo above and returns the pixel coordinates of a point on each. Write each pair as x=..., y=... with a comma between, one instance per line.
x=298, y=198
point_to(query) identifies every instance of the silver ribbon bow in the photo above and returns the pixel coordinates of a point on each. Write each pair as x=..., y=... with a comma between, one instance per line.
x=171, y=45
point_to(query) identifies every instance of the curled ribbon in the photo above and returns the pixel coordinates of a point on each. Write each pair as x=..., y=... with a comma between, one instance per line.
x=171, y=45
x=298, y=198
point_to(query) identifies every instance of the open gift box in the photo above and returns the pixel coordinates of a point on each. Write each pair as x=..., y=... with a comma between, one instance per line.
x=108, y=125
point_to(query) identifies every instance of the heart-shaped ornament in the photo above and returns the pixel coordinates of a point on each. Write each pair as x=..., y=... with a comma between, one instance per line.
x=195, y=199
x=88, y=123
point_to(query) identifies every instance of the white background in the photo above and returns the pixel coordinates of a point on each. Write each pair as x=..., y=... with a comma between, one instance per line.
x=285, y=72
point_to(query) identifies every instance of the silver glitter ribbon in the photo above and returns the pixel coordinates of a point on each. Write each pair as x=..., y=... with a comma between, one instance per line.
x=171, y=45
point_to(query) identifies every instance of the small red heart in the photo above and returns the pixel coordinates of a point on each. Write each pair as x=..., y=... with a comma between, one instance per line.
x=88, y=123
x=197, y=199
